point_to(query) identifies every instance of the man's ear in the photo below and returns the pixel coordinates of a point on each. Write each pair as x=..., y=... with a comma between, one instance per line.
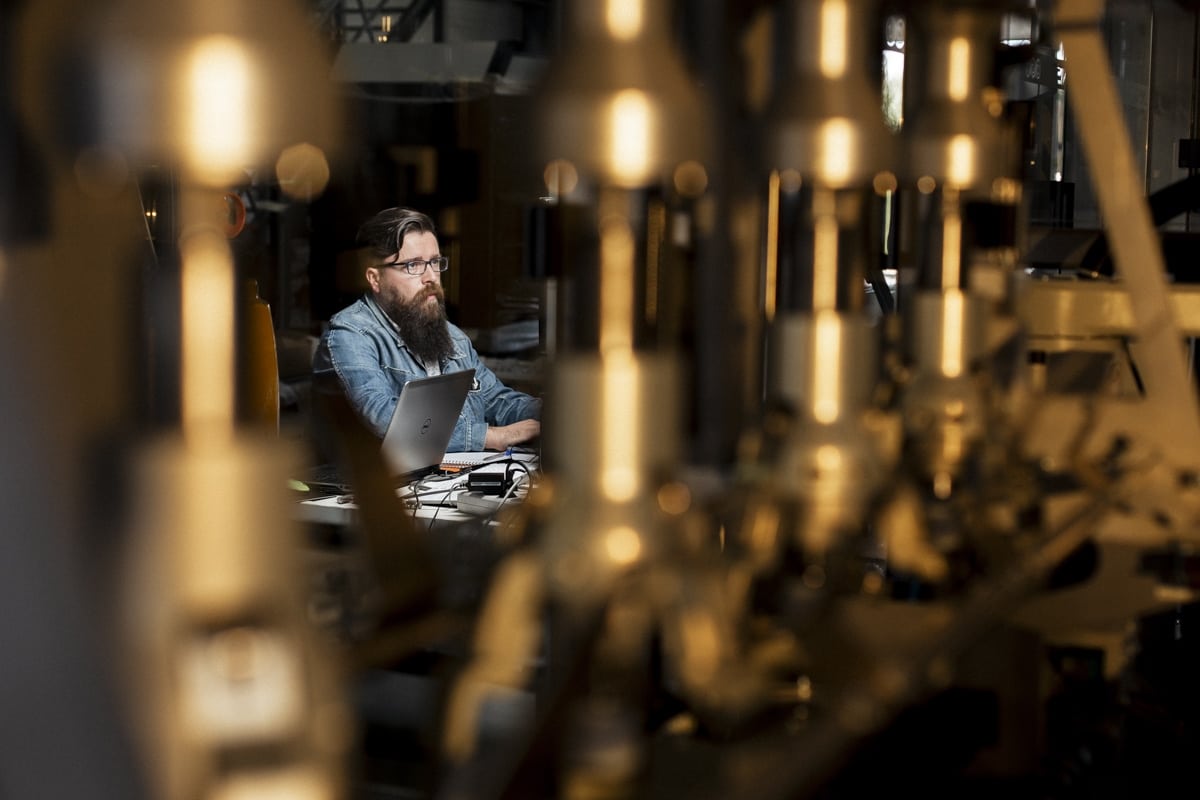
x=373, y=279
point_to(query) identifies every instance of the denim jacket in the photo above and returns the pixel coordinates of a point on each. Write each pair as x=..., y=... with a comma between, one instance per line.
x=365, y=351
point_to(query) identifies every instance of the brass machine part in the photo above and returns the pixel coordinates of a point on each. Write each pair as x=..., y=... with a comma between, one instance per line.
x=952, y=126
x=821, y=364
x=960, y=150
x=947, y=331
x=212, y=88
x=944, y=410
x=611, y=446
x=619, y=121
x=831, y=462
x=221, y=658
x=618, y=108
x=232, y=694
x=826, y=145
x=824, y=121
x=958, y=154
x=617, y=105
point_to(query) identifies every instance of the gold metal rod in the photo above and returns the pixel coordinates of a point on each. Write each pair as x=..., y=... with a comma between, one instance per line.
x=770, y=280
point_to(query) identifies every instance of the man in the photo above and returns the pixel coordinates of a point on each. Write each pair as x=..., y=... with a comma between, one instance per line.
x=398, y=331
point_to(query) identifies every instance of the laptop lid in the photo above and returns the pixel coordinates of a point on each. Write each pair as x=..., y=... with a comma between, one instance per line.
x=423, y=423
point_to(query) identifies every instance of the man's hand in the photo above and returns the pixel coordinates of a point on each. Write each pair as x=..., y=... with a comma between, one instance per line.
x=505, y=436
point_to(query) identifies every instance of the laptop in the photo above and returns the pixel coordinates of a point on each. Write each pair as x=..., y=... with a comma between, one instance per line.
x=423, y=423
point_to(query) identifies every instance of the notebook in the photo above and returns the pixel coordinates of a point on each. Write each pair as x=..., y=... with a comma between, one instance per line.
x=473, y=459
x=423, y=422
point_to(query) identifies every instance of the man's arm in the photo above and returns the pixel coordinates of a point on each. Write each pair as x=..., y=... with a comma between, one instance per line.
x=504, y=436
x=495, y=415
x=504, y=405
x=512, y=416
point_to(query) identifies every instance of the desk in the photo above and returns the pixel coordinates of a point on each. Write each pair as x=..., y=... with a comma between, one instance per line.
x=437, y=497
x=348, y=557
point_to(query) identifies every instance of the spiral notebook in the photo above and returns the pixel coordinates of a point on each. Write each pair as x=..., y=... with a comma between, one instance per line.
x=457, y=462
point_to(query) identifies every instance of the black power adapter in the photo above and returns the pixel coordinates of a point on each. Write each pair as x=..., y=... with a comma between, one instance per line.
x=495, y=483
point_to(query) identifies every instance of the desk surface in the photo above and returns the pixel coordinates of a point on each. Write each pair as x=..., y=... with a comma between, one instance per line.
x=435, y=498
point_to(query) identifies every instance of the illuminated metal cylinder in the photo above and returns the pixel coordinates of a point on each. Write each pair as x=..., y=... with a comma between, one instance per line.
x=608, y=423
x=825, y=121
x=961, y=155
x=945, y=413
x=964, y=215
x=947, y=330
x=827, y=147
x=613, y=439
x=617, y=105
x=624, y=133
x=952, y=123
x=811, y=372
x=825, y=143
x=618, y=119
x=232, y=85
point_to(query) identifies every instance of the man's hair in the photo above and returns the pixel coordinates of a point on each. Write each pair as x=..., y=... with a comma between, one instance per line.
x=383, y=234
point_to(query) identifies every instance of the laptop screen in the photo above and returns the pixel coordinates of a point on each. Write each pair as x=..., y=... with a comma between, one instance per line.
x=423, y=423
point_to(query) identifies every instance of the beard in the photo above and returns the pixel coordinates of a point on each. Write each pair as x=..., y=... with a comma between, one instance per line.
x=422, y=325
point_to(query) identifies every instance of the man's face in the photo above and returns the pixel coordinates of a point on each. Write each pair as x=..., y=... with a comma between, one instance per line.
x=395, y=289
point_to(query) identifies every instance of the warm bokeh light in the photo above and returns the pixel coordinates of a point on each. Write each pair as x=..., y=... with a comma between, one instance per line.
x=825, y=261
x=620, y=433
x=617, y=254
x=953, y=330
x=702, y=644
x=630, y=136
x=832, y=58
x=790, y=180
x=303, y=171
x=219, y=109
x=826, y=384
x=691, y=179
x=958, y=69
x=624, y=18
x=837, y=139
x=960, y=158
x=208, y=324
x=829, y=457
x=561, y=177
x=623, y=545
x=951, y=250
x=674, y=497
x=885, y=183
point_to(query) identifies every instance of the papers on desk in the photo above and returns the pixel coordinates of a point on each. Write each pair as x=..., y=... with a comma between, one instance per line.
x=463, y=468
x=436, y=495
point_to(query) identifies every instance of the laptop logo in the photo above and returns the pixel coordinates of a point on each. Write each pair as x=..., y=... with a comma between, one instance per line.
x=425, y=426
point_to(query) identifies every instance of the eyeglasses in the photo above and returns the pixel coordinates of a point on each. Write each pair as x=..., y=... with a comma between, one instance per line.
x=417, y=266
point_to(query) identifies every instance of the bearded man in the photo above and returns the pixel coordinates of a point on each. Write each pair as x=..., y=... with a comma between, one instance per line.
x=398, y=331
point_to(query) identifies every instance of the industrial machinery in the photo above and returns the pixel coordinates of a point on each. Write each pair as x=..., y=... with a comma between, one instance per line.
x=835, y=497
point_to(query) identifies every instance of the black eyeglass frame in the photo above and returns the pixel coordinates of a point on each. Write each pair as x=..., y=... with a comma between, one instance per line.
x=440, y=264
